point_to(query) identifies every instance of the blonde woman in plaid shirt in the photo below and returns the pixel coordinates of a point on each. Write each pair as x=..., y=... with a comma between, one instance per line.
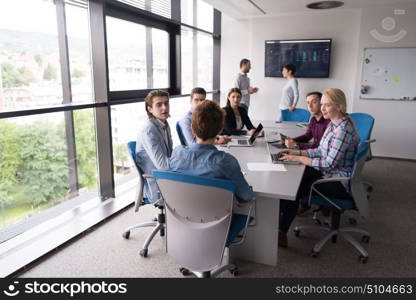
x=333, y=158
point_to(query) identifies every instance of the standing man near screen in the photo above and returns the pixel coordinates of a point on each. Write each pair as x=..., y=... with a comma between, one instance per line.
x=243, y=83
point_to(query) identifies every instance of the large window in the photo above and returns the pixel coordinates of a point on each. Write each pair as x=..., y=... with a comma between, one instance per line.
x=34, y=166
x=197, y=45
x=79, y=53
x=138, y=59
x=73, y=76
x=29, y=55
x=126, y=55
x=197, y=60
x=197, y=13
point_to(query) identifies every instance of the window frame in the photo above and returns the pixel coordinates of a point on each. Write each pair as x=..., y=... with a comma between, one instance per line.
x=142, y=17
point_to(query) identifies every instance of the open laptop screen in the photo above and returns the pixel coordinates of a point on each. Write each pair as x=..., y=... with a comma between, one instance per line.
x=255, y=134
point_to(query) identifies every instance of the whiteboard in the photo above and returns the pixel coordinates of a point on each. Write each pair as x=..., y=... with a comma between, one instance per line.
x=389, y=73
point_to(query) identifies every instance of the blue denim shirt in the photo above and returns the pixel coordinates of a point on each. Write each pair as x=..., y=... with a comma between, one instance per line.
x=207, y=160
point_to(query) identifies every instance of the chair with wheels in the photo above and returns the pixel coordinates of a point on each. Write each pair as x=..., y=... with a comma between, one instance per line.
x=158, y=223
x=201, y=224
x=338, y=206
x=180, y=134
x=297, y=115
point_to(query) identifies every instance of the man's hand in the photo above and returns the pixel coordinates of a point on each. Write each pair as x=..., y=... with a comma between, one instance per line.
x=255, y=89
x=292, y=108
x=290, y=143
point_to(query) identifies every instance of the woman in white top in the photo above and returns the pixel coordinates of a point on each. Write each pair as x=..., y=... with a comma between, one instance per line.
x=290, y=92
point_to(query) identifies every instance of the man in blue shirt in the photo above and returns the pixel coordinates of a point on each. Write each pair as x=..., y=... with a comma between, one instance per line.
x=202, y=158
x=198, y=95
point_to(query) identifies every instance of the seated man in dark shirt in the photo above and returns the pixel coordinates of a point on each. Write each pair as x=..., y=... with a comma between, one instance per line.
x=316, y=127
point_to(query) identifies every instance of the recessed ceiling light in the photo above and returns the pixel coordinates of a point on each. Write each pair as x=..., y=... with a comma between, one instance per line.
x=325, y=4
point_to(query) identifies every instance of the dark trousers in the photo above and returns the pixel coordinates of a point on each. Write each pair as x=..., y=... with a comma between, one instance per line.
x=289, y=208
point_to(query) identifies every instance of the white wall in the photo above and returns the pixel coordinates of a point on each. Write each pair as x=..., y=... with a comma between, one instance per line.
x=395, y=125
x=395, y=128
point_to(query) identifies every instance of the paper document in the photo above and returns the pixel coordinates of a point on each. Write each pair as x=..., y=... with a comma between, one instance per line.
x=266, y=167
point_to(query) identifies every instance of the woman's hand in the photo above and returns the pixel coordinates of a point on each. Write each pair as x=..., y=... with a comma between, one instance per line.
x=289, y=152
x=301, y=159
x=251, y=132
x=290, y=143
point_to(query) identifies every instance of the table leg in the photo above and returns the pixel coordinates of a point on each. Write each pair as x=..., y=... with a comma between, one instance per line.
x=260, y=244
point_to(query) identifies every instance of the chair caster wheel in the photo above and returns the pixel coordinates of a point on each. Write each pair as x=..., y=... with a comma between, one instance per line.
x=314, y=254
x=296, y=232
x=234, y=272
x=126, y=235
x=363, y=259
x=185, y=271
x=365, y=239
x=143, y=253
x=352, y=221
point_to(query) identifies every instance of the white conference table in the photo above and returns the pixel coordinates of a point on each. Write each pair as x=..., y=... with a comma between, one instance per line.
x=261, y=243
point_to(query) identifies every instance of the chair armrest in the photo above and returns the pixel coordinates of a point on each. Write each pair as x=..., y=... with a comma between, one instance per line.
x=325, y=180
x=250, y=205
x=333, y=179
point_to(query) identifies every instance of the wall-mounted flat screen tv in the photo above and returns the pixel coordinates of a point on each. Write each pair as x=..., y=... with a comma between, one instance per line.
x=310, y=57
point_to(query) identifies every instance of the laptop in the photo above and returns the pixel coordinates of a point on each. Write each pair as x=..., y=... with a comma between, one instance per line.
x=279, y=144
x=245, y=141
x=276, y=157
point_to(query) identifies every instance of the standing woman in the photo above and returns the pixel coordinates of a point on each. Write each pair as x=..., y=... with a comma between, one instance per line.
x=154, y=142
x=290, y=92
x=236, y=117
x=334, y=157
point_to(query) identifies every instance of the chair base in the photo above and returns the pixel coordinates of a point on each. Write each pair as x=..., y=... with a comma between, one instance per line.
x=333, y=234
x=225, y=265
x=158, y=226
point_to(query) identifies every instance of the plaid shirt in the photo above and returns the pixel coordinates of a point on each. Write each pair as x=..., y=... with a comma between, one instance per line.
x=335, y=155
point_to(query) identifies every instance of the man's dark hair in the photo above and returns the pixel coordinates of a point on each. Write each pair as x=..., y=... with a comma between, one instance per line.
x=198, y=90
x=317, y=94
x=244, y=61
x=290, y=67
x=207, y=120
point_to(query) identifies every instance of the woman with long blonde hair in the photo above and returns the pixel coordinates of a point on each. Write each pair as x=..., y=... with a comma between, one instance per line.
x=334, y=157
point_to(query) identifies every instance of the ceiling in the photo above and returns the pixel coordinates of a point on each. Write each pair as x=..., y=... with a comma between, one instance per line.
x=243, y=9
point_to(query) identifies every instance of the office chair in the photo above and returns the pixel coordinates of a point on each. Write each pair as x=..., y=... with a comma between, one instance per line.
x=338, y=206
x=201, y=224
x=298, y=115
x=364, y=124
x=180, y=134
x=158, y=223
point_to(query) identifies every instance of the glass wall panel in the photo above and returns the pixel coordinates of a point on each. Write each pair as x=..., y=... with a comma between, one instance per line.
x=79, y=53
x=30, y=73
x=204, y=17
x=160, y=49
x=34, y=177
x=126, y=46
x=197, y=60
